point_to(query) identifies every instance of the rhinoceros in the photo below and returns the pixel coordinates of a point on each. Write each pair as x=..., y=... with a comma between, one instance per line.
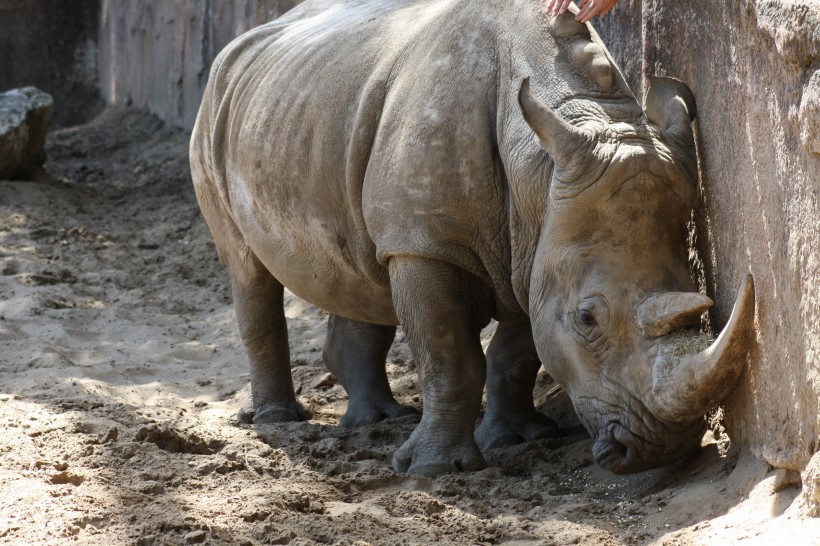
x=437, y=164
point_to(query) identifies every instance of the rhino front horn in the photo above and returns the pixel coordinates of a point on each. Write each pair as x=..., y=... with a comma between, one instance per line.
x=684, y=387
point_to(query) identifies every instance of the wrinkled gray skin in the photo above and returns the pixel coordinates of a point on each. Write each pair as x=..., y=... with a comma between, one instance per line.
x=384, y=161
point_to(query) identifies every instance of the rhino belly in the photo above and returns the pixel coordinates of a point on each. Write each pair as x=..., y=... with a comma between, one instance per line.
x=314, y=255
x=318, y=279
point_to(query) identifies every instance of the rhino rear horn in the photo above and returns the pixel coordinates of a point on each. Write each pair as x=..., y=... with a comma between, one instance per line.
x=670, y=104
x=686, y=387
x=663, y=313
x=560, y=139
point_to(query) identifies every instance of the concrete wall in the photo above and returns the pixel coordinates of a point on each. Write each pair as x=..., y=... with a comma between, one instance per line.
x=754, y=67
x=52, y=44
x=145, y=53
x=156, y=55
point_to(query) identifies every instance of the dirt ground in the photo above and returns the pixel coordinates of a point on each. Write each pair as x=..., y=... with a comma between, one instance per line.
x=121, y=373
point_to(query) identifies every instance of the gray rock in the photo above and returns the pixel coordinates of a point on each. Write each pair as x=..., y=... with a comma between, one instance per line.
x=25, y=115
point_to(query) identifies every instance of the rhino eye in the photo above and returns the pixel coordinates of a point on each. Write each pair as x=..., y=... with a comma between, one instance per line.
x=585, y=318
x=591, y=317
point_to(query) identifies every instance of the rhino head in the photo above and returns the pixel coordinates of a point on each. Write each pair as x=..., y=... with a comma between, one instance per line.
x=614, y=310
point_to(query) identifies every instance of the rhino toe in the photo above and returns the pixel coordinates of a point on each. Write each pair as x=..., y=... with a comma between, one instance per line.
x=358, y=415
x=502, y=431
x=245, y=413
x=418, y=457
x=423, y=466
x=275, y=413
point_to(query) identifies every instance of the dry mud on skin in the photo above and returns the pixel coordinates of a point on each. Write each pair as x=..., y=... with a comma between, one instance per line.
x=121, y=372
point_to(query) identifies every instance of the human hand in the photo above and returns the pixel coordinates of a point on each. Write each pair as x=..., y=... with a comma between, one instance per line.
x=589, y=8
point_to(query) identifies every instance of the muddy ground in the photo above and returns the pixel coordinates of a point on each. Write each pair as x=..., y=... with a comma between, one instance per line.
x=121, y=373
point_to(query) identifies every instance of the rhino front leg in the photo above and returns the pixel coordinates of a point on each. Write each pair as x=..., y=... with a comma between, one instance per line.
x=442, y=310
x=512, y=366
x=355, y=352
x=263, y=328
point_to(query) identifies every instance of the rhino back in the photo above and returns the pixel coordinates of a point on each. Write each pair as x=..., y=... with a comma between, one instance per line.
x=345, y=133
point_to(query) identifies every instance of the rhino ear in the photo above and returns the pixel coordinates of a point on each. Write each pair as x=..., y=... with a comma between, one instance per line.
x=670, y=104
x=560, y=139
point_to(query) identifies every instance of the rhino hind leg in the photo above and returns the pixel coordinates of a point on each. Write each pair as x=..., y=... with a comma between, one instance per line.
x=442, y=309
x=263, y=328
x=355, y=352
x=512, y=366
x=258, y=302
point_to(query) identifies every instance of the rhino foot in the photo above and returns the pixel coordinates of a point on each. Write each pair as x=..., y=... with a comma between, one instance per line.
x=501, y=430
x=442, y=455
x=368, y=413
x=272, y=413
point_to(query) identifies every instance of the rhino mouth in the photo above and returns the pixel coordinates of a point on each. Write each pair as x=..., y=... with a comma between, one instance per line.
x=614, y=449
x=621, y=451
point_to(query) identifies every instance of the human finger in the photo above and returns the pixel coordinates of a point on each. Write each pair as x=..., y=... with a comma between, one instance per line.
x=550, y=5
x=600, y=7
x=561, y=7
x=588, y=11
x=558, y=6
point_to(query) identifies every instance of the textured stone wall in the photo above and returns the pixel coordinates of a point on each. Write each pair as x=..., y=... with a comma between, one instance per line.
x=156, y=55
x=754, y=67
x=51, y=44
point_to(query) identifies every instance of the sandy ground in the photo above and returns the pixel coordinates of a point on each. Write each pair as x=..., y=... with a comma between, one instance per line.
x=121, y=373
